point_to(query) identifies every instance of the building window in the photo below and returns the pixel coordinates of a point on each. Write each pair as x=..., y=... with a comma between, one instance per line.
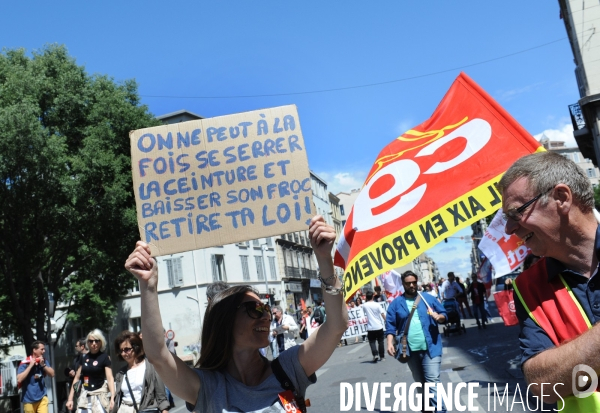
x=342, y=210
x=136, y=324
x=272, y=268
x=245, y=269
x=174, y=271
x=136, y=287
x=296, y=240
x=576, y=157
x=256, y=243
x=218, y=268
x=288, y=258
x=260, y=267
x=591, y=173
x=343, y=223
x=269, y=241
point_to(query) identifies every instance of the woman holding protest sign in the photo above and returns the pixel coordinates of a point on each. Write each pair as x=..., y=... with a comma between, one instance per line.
x=231, y=374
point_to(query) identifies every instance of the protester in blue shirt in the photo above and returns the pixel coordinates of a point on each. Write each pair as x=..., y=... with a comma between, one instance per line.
x=30, y=376
x=424, y=341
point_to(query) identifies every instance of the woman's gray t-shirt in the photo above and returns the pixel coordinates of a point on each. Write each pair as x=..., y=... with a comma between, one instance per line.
x=221, y=393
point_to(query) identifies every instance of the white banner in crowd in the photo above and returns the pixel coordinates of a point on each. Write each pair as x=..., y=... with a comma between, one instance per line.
x=505, y=252
x=357, y=321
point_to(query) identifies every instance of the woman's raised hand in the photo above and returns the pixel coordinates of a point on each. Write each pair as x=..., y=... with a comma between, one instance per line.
x=141, y=264
x=322, y=237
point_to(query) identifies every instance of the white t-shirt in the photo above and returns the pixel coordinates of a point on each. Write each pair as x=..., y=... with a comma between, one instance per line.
x=450, y=289
x=373, y=312
x=136, y=380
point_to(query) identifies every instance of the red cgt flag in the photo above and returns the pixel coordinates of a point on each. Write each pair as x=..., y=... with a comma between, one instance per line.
x=505, y=301
x=431, y=182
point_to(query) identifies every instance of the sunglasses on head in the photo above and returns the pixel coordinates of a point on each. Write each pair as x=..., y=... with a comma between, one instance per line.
x=91, y=341
x=256, y=309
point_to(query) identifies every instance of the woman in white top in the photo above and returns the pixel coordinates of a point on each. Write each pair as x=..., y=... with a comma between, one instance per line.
x=137, y=385
x=231, y=375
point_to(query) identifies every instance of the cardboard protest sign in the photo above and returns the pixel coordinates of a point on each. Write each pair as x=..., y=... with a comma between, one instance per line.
x=505, y=252
x=221, y=180
x=357, y=321
x=431, y=182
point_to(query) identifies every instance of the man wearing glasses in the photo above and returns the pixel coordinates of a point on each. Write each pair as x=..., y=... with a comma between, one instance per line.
x=283, y=329
x=423, y=338
x=548, y=202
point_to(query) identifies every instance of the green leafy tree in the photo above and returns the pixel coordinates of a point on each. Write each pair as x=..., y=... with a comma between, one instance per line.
x=597, y=197
x=67, y=212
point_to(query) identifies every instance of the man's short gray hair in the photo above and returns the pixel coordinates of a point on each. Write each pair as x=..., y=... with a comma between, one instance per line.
x=545, y=170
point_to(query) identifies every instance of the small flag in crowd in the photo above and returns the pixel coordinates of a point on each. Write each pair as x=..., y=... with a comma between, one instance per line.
x=505, y=252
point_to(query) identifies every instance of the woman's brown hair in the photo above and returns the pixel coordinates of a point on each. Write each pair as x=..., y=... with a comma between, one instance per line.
x=217, y=329
x=135, y=341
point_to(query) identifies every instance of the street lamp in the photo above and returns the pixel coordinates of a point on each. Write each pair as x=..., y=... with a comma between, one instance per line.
x=51, y=338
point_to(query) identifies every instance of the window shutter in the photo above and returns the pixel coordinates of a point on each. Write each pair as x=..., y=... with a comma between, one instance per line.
x=179, y=271
x=170, y=273
x=215, y=270
x=273, y=268
x=260, y=268
x=245, y=269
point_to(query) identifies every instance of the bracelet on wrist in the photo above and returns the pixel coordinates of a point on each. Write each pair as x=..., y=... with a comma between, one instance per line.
x=333, y=291
x=324, y=281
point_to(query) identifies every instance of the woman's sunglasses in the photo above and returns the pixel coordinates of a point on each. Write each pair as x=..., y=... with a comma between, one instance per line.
x=91, y=341
x=256, y=309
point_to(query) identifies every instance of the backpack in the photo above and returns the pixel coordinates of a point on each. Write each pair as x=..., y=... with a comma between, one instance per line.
x=318, y=315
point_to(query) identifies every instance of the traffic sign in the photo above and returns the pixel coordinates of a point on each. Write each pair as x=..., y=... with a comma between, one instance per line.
x=170, y=334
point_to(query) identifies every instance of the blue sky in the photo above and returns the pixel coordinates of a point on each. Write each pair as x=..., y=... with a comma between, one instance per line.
x=409, y=52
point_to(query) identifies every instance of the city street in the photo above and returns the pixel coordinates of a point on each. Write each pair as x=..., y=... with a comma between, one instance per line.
x=488, y=357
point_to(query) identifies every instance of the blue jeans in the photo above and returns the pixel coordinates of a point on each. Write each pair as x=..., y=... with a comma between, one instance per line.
x=425, y=369
x=274, y=349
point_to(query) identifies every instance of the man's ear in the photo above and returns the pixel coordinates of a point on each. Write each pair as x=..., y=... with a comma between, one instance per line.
x=563, y=197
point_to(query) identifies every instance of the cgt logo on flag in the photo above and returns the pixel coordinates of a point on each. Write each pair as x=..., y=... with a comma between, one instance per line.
x=430, y=182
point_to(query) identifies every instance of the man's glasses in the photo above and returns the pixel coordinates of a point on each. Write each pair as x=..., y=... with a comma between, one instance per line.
x=94, y=341
x=126, y=350
x=517, y=213
x=256, y=309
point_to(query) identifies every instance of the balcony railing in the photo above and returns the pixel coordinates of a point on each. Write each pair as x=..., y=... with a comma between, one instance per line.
x=293, y=272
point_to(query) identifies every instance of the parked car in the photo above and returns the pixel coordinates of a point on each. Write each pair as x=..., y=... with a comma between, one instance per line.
x=500, y=282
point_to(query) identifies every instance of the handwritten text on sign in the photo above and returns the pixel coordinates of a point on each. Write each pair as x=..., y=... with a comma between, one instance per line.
x=357, y=321
x=221, y=180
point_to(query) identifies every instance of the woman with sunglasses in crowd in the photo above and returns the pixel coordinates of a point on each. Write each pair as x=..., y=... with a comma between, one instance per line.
x=231, y=374
x=97, y=384
x=138, y=387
